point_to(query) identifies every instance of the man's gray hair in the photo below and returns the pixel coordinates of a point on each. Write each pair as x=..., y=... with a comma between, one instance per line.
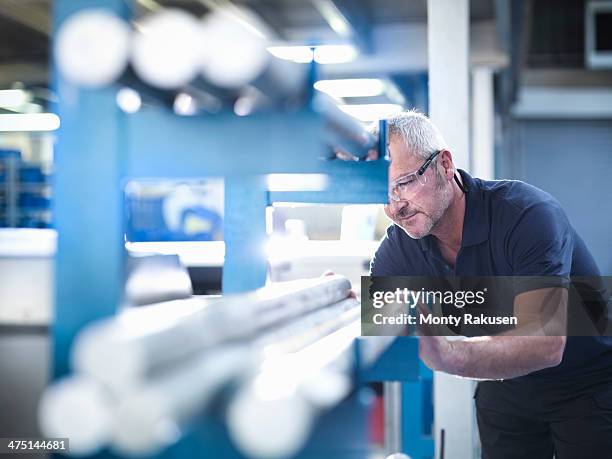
x=419, y=134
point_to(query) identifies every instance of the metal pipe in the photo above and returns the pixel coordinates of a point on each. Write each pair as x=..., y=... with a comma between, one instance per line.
x=344, y=133
x=152, y=418
x=392, y=392
x=288, y=395
x=315, y=360
x=92, y=48
x=122, y=352
x=236, y=41
x=168, y=49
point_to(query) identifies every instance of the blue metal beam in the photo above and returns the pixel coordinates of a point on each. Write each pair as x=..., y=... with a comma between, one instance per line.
x=163, y=145
x=363, y=182
x=87, y=204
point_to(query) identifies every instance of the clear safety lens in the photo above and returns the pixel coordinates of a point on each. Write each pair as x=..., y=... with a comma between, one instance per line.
x=405, y=186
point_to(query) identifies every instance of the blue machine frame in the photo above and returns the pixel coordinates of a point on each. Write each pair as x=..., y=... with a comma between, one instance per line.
x=100, y=147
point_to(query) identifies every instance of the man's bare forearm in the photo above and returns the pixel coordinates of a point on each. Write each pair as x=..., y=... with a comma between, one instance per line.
x=502, y=357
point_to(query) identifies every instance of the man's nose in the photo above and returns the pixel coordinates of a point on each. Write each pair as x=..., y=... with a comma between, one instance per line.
x=394, y=207
x=397, y=205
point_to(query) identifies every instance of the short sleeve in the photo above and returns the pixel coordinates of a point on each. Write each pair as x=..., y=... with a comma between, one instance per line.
x=540, y=247
x=387, y=259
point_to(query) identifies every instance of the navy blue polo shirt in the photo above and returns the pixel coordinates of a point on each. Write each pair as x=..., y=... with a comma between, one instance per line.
x=510, y=229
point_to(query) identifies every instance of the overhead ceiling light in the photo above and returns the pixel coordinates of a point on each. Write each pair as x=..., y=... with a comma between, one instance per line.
x=371, y=112
x=29, y=122
x=13, y=97
x=355, y=87
x=324, y=54
x=32, y=108
x=297, y=182
x=335, y=54
x=299, y=54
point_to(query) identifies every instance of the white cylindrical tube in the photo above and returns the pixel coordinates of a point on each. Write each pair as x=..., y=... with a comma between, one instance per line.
x=168, y=49
x=344, y=127
x=269, y=427
x=149, y=419
x=122, y=353
x=236, y=40
x=237, y=55
x=310, y=327
x=79, y=409
x=92, y=48
x=289, y=392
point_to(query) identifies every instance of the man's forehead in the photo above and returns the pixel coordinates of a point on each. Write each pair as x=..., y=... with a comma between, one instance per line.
x=403, y=161
x=399, y=150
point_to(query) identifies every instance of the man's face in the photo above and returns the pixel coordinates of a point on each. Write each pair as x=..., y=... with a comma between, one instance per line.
x=420, y=209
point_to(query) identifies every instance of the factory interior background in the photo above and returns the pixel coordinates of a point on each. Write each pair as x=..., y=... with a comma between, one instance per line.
x=160, y=160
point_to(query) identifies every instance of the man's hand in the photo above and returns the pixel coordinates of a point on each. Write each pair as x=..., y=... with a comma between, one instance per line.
x=328, y=272
x=437, y=353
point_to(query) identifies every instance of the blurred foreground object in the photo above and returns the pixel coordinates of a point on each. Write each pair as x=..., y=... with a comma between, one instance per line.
x=274, y=359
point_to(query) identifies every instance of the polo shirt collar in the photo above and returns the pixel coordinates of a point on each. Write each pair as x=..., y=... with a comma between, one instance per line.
x=475, y=222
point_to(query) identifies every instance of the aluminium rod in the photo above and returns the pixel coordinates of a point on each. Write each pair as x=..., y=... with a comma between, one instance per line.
x=121, y=353
x=140, y=421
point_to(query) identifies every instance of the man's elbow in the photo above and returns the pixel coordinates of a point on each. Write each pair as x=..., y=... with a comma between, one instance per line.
x=554, y=350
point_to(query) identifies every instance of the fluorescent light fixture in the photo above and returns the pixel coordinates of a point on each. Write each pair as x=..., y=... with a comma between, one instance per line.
x=356, y=87
x=371, y=112
x=13, y=97
x=299, y=54
x=297, y=182
x=29, y=122
x=324, y=54
x=335, y=54
x=31, y=108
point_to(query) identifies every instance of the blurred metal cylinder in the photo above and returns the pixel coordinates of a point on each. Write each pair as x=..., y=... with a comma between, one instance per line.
x=289, y=393
x=393, y=416
x=283, y=381
x=151, y=418
x=92, y=48
x=344, y=133
x=237, y=56
x=168, y=48
x=124, y=353
x=80, y=409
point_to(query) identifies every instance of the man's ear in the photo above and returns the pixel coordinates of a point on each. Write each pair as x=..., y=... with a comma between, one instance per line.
x=446, y=161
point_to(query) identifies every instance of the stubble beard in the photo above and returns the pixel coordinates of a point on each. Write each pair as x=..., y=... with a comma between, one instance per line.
x=443, y=201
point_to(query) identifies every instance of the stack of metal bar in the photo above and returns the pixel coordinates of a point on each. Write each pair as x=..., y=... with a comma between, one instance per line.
x=273, y=359
x=198, y=66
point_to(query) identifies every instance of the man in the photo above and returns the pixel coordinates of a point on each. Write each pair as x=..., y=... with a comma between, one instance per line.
x=544, y=395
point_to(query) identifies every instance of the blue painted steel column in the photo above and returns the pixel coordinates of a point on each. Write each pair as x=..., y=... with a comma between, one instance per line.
x=87, y=204
x=246, y=265
x=417, y=415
